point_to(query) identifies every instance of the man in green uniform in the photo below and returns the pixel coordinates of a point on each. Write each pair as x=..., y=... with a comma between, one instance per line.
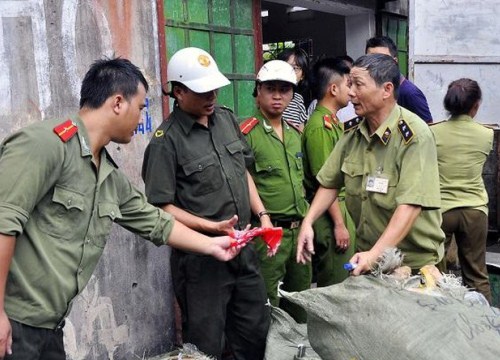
x=381, y=160
x=60, y=192
x=278, y=175
x=334, y=231
x=195, y=168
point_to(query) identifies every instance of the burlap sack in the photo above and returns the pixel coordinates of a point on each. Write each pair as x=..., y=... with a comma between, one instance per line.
x=367, y=318
x=285, y=336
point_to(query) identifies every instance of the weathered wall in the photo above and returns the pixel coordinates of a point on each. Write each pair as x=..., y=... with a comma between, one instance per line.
x=453, y=39
x=46, y=46
x=358, y=28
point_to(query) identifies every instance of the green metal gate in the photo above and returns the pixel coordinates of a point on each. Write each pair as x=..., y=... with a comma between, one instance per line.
x=224, y=28
x=396, y=27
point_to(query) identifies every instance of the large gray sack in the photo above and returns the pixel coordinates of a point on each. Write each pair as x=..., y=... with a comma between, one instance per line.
x=285, y=336
x=366, y=318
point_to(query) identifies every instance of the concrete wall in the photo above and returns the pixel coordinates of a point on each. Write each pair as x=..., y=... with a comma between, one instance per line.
x=359, y=28
x=454, y=39
x=46, y=46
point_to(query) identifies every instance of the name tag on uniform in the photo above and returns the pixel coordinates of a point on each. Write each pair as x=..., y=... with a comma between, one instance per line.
x=377, y=184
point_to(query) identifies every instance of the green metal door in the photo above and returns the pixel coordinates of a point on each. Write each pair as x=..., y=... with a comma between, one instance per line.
x=396, y=27
x=225, y=29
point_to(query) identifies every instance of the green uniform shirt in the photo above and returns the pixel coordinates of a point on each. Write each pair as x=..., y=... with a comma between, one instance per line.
x=278, y=169
x=318, y=140
x=199, y=169
x=405, y=154
x=462, y=148
x=61, y=212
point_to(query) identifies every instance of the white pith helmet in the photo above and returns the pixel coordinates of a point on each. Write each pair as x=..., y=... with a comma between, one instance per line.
x=196, y=69
x=277, y=70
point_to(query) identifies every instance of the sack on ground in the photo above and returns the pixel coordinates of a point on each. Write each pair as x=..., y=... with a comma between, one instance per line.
x=369, y=318
x=285, y=337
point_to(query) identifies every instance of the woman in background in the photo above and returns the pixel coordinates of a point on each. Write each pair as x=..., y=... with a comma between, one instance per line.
x=462, y=148
x=296, y=111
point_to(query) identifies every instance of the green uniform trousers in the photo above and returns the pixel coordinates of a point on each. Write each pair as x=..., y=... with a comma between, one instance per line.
x=283, y=267
x=470, y=227
x=329, y=261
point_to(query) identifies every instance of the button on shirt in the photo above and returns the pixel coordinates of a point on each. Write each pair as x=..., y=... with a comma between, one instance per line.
x=278, y=169
x=61, y=210
x=405, y=164
x=200, y=169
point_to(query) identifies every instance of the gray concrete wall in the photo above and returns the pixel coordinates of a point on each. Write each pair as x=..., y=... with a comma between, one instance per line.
x=454, y=39
x=46, y=46
x=359, y=28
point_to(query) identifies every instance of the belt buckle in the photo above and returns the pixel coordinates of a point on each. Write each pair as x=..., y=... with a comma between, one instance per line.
x=294, y=224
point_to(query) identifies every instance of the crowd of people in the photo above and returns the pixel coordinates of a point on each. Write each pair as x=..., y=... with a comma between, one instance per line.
x=343, y=189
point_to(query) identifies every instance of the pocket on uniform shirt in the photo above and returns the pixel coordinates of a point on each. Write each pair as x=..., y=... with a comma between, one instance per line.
x=107, y=213
x=204, y=174
x=61, y=215
x=387, y=201
x=268, y=168
x=235, y=148
x=353, y=178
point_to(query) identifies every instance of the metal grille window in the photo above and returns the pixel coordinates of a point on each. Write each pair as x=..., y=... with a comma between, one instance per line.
x=271, y=50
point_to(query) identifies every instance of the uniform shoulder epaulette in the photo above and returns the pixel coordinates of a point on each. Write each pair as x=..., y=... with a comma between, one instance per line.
x=329, y=121
x=491, y=126
x=437, y=122
x=247, y=125
x=295, y=126
x=66, y=130
x=162, y=129
x=405, y=131
x=226, y=108
x=352, y=124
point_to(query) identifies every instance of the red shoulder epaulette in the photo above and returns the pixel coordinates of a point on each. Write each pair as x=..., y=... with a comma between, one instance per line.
x=247, y=125
x=66, y=130
x=327, y=121
x=295, y=126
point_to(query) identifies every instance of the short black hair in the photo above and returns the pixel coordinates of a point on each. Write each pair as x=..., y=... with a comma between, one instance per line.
x=382, y=68
x=382, y=41
x=461, y=96
x=349, y=60
x=107, y=77
x=323, y=73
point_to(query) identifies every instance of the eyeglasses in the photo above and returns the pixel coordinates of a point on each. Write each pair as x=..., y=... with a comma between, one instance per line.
x=296, y=68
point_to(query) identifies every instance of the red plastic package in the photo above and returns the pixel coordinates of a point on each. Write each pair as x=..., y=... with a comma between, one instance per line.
x=271, y=236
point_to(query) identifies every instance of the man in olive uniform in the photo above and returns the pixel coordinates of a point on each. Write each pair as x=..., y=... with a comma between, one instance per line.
x=278, y=175
x=195, y=168
x=380, y=160
x=334, y=231
x=60, y=192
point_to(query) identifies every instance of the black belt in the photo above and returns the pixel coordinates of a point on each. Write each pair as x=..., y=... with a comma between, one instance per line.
x=287, y=224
